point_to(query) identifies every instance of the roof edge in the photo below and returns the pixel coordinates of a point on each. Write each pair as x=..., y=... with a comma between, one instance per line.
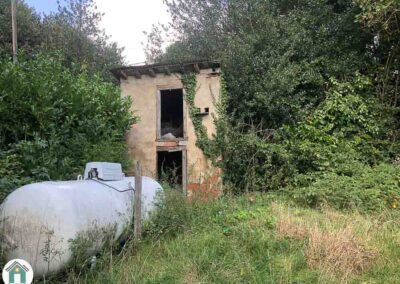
x=164, y=68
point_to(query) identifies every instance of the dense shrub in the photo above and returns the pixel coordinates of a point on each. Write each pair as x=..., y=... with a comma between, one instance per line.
x=351, y=186
x=11, y=173
x=319, y=79
x=176, y=214
x=251, y=163
x=53, y=120
x=338, y=152
x=346, y=125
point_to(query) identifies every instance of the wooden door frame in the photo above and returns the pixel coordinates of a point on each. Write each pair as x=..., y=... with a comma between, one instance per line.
x=158, y=109
x=183, y=150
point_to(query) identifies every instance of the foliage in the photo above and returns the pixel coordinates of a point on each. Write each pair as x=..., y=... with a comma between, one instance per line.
x=276, y=56
x=346, y=125
x=250, y=163
x=53, y=121
x=29, y=27
x=11, y=174
x=240, y=240
x=202, y=141
x=154, y=46
x=169, y=218
x=350, y=186
x=197, y=26
x=381, y=19
x=297, y=101
x=337, y=150
x=73, y=30
x=310, y=109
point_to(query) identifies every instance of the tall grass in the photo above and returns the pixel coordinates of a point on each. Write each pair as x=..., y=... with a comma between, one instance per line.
x=254, y=239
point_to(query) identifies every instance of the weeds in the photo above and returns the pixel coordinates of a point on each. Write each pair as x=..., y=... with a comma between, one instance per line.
x=339, y=253
x=254, y=239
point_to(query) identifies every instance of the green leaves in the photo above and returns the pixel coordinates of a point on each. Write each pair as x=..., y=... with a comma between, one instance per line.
x=203, y=142
x=276, y=55
x=54, y=120
x=73, y=30
x=340, y=128
x=360, y=187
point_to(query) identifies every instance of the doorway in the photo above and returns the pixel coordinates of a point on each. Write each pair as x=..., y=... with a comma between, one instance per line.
x=169, y=166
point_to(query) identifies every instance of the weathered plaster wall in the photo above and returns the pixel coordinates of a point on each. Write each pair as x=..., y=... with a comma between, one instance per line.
x=142, y=137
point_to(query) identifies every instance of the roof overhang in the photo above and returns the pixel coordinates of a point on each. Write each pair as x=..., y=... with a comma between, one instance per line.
x=164, y=68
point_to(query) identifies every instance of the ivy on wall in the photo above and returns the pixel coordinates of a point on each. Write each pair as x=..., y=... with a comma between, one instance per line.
x=210, y=147
x=203, y=142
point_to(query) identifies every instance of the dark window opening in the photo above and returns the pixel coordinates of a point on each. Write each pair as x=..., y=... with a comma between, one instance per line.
x=171, y=113
x=169, y=167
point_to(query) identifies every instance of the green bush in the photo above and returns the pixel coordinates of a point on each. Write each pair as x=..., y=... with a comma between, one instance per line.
x=346, y=125
x=11, y=174
x=251, y=163
x=340, y=152
x=171, y=214
x=350, y=186
x=176, y=214
x=54, y=120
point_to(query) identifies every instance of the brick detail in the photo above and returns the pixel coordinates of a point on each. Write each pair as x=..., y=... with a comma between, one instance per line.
x=167, y=143
x=210, y=189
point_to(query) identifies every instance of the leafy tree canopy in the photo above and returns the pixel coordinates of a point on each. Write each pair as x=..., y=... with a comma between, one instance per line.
x=73, y=30
x=277, y=55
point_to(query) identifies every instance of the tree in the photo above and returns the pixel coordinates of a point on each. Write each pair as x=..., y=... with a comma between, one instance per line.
x=277, y=56
x=73, y=30
x=287, y=64
x=29, y=28
x=53, y=120
x=381, y=19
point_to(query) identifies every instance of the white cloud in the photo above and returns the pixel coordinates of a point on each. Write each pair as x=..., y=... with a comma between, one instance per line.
x=125, y=21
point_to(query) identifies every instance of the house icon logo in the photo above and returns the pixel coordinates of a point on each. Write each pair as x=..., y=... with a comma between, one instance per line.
x=17, y=271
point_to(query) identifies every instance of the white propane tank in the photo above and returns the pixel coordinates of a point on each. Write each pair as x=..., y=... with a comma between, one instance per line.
x=40, y=222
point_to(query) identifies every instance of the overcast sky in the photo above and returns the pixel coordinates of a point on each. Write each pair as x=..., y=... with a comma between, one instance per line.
x=124, y=21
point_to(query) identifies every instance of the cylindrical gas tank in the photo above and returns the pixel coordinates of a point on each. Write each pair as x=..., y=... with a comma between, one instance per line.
x=43, y=222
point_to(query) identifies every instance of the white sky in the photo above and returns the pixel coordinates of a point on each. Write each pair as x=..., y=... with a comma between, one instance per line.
x=125, y=21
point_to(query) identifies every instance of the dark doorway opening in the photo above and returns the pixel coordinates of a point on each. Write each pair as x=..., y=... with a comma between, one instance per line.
x=169, y=167
x=171, y=113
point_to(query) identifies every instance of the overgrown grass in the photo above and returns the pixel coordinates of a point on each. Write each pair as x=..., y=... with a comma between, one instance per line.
x=255, y=239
